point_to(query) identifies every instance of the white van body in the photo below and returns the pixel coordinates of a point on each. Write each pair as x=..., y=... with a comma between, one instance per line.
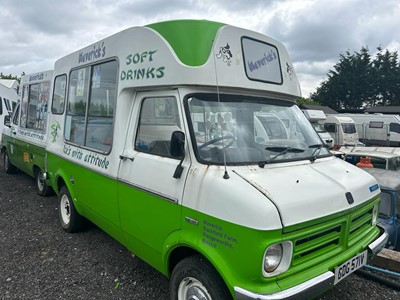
x=153, y=139
x=24, y=140
x=377, y=129
x=8, y=96
x=342, y=129
x=317, y=118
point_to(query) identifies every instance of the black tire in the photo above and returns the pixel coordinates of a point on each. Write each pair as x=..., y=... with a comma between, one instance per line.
x=71, y=221
x=42, y=188
x=8, y=166
x=195, y=276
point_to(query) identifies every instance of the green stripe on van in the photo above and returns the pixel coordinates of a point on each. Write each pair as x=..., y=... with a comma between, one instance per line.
x=191, y=40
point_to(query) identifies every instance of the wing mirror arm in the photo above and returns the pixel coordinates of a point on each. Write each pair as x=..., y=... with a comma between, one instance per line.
x=177, y=150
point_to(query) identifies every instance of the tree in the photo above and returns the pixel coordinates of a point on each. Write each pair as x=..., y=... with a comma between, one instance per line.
x=386, y=78
x=357, y=82
x=10, y=76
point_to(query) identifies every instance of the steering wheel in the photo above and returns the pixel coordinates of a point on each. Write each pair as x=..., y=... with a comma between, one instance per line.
x=218, y=139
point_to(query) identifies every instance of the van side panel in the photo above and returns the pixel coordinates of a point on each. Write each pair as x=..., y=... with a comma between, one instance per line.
x=27, y=156
x=146, y=221
x=94, y=194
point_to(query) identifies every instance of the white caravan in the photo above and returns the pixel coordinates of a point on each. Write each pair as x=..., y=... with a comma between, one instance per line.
x=316, y=118
x=377, y=129
x=342, y=129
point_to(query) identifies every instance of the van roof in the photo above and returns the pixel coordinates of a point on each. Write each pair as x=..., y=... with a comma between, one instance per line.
x=191, y=40
x=193, y=52
x=340, y=118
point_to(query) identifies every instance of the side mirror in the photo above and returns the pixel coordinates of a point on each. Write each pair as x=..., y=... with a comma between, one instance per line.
x=177, y=149
x=7, y=120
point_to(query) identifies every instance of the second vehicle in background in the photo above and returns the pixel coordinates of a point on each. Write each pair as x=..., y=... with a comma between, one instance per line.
x=389, y=209
x=24, y=140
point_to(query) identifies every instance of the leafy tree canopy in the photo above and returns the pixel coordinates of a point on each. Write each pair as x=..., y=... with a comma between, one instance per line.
x=359, y=80
x=10, y=76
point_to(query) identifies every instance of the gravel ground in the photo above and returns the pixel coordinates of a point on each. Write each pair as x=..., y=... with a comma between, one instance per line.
x=38, y=260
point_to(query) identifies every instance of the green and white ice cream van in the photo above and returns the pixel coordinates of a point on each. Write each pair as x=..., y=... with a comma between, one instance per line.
x=182, y=140
x=24, y=137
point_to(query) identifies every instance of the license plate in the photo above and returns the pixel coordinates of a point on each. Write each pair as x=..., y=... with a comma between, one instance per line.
x=350, y=266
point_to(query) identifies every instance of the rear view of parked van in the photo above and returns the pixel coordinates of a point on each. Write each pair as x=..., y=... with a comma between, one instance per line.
x=8, y=96
x=183, y=141
x=24, y=140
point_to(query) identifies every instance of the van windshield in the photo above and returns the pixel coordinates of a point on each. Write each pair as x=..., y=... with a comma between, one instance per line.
x=319, y=128
x=245, y=130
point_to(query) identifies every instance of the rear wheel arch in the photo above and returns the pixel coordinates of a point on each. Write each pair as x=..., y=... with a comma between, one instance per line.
x=60, y=182
x=70, y=219
x=42, y=188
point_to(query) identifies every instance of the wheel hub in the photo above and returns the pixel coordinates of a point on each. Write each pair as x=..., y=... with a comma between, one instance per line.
x=65, y=209
x=192, y=289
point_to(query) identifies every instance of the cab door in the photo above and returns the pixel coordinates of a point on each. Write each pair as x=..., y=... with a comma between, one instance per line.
x=149, y=195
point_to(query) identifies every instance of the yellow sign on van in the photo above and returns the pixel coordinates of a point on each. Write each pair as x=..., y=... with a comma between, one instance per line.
x=26, y=157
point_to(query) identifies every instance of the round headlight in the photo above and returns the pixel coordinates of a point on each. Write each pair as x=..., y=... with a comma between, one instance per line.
x=273, y=257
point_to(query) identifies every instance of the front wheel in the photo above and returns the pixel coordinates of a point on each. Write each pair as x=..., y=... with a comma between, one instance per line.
x=41, y=186
x=71, y=220
x=8, y=166
x=195, y=278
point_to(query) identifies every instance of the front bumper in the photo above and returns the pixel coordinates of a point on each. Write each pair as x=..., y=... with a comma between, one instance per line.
x=312, y=287
x=379, y=243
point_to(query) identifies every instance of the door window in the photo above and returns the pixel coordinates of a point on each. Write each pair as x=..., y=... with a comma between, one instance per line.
x=159, y=118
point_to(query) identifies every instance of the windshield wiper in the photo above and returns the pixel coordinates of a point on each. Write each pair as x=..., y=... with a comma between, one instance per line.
x=318, y=148
x=282, y=151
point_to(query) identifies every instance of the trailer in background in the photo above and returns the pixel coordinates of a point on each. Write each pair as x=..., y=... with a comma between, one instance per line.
x=377, y=129
x=342, y=129
x=316, y=118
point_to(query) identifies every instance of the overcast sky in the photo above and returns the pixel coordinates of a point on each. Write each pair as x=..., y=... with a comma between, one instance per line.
x=34, y=34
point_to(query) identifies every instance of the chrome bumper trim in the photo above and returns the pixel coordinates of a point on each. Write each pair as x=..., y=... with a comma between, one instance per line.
x=302, y=291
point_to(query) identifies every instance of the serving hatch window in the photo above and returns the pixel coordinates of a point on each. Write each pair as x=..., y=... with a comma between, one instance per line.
x=34, y=106
x=57, y=106
x=261, y=61
x=90, y=109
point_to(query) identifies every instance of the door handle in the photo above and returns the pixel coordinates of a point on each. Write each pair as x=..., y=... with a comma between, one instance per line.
x=125, y=157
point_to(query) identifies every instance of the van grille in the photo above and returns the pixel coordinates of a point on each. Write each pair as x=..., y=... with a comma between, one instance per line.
x=320, y=242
